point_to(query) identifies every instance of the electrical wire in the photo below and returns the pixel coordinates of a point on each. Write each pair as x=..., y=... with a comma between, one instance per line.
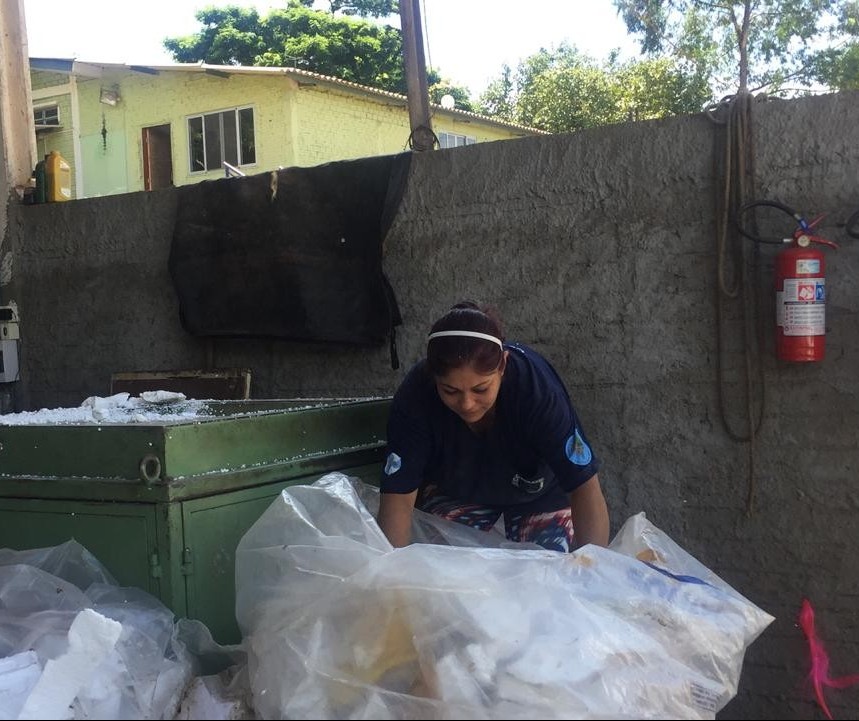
x=425, y=32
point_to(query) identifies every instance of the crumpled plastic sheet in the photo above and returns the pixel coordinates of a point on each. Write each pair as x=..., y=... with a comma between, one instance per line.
x=339, y=625
x=74, y=644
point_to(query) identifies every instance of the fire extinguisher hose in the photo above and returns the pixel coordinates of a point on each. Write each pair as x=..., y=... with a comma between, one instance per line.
x=801, y=222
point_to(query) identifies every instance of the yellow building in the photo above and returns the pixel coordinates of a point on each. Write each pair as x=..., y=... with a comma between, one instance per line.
x=126, y=128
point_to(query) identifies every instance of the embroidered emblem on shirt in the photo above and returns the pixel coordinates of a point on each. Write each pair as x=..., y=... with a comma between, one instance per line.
x=577, y=450
x=393, y=464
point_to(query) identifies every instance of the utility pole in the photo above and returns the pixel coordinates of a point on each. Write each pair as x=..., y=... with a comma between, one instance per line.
x=17, y=133
x=421, y=137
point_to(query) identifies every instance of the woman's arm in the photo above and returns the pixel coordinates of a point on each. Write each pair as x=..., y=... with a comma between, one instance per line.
x=589, y=513
x=395, y=516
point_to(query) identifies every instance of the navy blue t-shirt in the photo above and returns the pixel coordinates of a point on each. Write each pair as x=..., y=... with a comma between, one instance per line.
x=534, y=450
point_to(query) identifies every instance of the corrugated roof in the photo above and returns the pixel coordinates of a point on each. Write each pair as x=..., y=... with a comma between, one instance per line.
x=93, y=69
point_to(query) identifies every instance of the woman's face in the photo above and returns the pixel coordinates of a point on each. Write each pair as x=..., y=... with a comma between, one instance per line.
x=469, y=394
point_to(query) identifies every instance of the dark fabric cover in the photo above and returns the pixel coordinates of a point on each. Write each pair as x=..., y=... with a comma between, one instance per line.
x=298, y=259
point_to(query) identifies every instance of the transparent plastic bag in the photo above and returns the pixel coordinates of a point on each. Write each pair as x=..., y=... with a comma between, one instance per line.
x=338, y=624
x=62, y=605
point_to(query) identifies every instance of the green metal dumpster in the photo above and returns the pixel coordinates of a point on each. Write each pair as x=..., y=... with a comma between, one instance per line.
x=163, y=504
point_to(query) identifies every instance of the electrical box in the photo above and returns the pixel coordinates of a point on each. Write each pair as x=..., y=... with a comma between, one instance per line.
x=9, y=360
x=9, y=335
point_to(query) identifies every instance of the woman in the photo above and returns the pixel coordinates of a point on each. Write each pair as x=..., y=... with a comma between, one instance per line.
x=481, y=429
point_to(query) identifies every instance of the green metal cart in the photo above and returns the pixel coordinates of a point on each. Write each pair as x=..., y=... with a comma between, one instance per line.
x=164, y=504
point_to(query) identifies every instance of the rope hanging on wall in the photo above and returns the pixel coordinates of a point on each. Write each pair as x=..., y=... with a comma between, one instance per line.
x=738, y=282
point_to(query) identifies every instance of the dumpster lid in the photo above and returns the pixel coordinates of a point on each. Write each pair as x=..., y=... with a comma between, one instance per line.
x=188, y=441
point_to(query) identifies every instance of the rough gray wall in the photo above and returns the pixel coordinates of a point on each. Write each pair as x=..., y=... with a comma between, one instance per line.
x=598, y=248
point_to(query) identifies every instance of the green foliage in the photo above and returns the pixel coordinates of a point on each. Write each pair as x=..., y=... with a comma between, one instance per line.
x=498, y=99
x=344, y=47
x=837, y=68
x=563, y=90
x=365, y=8
x=460, y=95
x=558, y=90
x=749, y=44
x=230, y=36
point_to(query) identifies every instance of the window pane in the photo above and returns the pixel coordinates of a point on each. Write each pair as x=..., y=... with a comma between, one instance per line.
x=212, y=133
x=47, y=116
x=246, y=129
x=231, y=149
x=195, y=143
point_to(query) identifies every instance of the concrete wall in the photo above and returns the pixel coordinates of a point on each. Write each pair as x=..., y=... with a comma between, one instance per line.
x=599, y=249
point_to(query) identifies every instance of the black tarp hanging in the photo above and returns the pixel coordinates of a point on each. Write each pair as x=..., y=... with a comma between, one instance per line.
x=293, y=254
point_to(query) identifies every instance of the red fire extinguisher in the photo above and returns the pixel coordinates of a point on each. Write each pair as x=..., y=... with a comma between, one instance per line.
x=800, y=289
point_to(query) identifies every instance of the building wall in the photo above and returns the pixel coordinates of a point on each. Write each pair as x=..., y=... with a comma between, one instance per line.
x=41, y=79
x=295, y=123
x=170, y=98
x=333, y=124
x=54, y=89
x=109, y=155
x=599, y=249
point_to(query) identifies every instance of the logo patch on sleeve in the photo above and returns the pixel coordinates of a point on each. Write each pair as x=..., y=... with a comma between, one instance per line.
x=577, y=450
x=393, y=464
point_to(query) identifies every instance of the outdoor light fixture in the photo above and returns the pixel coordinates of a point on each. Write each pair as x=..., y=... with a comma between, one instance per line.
x=108, y=96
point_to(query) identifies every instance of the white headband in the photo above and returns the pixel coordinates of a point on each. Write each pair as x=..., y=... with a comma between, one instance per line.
x=468, y=333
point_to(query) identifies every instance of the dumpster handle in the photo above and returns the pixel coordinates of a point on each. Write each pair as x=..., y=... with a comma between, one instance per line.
x=150, y=468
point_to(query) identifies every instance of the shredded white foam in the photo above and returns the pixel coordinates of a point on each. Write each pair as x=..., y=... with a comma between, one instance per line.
x=120, y=408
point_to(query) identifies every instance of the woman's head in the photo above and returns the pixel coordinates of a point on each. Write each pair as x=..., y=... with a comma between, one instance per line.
x=466, y=357
x=445, y=353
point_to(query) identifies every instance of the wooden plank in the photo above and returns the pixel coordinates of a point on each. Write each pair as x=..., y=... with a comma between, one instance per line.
x=220, y=384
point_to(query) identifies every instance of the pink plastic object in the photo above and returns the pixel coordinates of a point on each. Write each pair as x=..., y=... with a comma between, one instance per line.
x=819, y=673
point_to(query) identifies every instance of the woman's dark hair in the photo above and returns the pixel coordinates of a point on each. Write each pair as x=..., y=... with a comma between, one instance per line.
x=449, y=352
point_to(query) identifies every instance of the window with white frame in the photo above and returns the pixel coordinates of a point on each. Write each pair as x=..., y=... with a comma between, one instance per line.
x=225, y=136
x=454, y=140
x=47, y=116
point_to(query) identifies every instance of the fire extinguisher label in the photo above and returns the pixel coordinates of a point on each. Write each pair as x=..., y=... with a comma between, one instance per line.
x=808, y=266
x=801, y=306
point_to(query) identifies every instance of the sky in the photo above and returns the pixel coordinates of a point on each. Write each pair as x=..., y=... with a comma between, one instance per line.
x=467, y=41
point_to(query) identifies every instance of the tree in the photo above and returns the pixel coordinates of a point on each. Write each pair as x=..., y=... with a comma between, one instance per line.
x=342, y=46
x=745, y=44
x=838, y=66
x=563, y=90
x=498, y=98
x=297, y=36
x=365, y=8
x=438, y=89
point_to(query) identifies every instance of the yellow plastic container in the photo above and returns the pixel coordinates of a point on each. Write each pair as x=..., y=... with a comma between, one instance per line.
x=58, y=178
